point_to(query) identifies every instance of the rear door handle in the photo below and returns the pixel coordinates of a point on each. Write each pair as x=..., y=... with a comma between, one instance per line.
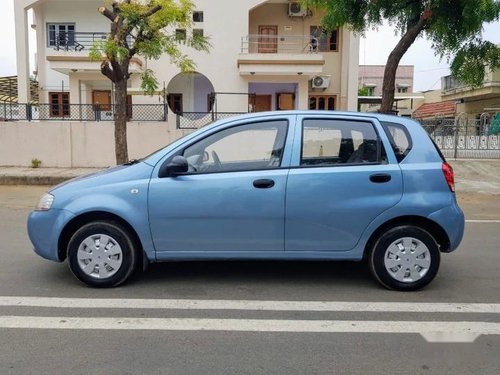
x=380, y=178
x=263, y=183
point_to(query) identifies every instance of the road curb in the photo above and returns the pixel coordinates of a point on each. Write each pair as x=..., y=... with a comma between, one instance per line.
x=33, y=180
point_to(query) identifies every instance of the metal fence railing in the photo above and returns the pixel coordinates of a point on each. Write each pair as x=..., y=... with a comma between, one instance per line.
x=196, y=120
x=464, y=137
x=257, y=43
x=80, y=112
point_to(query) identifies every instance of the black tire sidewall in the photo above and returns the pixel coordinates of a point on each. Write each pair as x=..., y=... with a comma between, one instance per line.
x=120, y=235
x=376, y=258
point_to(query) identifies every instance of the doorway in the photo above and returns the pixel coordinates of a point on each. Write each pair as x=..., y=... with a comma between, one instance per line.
x=261, y=103
x=101, y=99
x=268, y=39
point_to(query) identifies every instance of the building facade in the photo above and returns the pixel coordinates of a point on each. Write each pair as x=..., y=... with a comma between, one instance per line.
x=371, y=77
x=474, y=101
x=370, y=84
x=266, y=55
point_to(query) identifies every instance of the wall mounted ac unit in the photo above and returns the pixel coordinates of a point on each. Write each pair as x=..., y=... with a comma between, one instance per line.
x=296, y=10
x=320, y=82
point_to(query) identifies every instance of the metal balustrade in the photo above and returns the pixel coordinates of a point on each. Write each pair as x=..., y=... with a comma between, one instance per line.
x=75, y=41
x=257, y=43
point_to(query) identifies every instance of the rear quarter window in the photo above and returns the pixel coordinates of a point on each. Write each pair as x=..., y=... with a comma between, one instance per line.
x=399, y=138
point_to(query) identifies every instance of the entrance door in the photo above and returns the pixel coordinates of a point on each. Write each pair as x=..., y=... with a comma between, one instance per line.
x=102, y=99
x=286, y=101
x=268, y=39
x=262, y=103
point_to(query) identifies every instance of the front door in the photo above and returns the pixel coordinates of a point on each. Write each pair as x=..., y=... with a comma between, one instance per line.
x=341, y=183
x=268, y=39
x=261, y=103
x=233, y=198
x=102, y=99
x=286, y=101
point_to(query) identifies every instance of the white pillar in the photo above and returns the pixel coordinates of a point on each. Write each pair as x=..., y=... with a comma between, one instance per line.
x=22, y=52
x=303, y=102
x=74, y=89
x=350, y=69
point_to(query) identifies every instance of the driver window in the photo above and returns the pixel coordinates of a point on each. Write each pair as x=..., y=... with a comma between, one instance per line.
x=241, y=148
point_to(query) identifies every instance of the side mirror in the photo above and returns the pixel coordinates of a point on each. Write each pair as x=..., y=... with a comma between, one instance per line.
x=178, y=165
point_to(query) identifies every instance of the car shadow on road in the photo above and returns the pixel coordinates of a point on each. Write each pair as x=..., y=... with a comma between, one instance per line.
x=309, y=273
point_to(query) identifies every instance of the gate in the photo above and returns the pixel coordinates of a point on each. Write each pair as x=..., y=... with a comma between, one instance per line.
x=466, y=138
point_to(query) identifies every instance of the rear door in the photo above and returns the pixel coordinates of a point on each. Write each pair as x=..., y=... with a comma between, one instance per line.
x=341, y=179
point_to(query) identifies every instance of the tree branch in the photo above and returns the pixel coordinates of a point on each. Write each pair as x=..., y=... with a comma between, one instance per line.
x=107, y=13
x=106, y=70
x=152, y=11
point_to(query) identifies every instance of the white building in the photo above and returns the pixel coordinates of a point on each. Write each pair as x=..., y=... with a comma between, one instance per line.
x=268, y=48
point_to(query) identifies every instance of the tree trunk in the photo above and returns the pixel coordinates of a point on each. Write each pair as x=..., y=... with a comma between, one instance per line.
x=389, y=84
x=121, y=150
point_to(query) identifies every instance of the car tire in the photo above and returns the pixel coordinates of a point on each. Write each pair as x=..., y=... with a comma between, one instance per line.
x=405, y=258
x=102, y=254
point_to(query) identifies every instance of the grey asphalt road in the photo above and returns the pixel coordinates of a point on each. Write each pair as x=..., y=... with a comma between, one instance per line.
x=470, y=276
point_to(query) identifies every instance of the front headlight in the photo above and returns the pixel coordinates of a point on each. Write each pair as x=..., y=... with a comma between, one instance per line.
x=45, y=202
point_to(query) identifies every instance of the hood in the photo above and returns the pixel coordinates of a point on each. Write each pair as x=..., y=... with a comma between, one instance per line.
x=118, y=174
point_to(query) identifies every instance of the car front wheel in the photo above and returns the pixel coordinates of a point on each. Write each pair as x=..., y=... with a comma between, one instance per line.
x=102, y=254
x=405, y=258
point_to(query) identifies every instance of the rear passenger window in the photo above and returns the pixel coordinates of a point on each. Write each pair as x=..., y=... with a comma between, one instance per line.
x=399, y=138
x=334, y=142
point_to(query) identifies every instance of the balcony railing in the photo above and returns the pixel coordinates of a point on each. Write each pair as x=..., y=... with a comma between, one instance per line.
x=75, y=41
x=256, y=43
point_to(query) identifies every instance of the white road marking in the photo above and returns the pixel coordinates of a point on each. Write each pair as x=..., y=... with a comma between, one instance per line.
x=482, y=221
x=464, y=330
x=255, y=305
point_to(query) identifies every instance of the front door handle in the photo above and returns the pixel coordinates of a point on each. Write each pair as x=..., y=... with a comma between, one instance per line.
x=380, y=178
x=263, y=183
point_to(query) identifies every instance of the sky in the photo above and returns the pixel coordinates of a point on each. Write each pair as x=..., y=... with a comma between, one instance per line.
x=374, y=49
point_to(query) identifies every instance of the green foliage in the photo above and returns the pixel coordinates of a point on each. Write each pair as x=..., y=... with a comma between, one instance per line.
x=471, y=62
x=453, y=26
x=363, y=91
x=149, y=83
x=147, y=29
x=35, y=163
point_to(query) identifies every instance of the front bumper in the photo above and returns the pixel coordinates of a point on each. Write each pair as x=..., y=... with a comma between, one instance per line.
x=44, y=229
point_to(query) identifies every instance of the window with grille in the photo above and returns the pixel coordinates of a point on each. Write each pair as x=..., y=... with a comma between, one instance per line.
x=322, y=102
x=198, y=16
x=60, y=34
x=59, y=104
x=324, y=41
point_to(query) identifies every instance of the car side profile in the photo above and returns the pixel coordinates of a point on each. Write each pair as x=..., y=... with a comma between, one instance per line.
x=291, y=185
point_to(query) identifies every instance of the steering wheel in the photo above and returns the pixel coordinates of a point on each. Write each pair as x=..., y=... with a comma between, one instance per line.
x=216, y=160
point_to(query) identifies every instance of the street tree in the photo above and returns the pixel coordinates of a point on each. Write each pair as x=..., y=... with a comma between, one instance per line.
x=453, y=27
x=144, y=28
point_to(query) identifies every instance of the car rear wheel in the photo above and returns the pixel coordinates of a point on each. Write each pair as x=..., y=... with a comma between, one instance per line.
x=405, y=258
x=102, y=254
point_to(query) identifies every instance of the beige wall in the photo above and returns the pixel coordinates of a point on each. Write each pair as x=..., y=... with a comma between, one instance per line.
x=78, y=144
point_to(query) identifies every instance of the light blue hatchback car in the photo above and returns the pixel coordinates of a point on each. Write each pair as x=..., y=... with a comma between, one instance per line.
x=298, y=185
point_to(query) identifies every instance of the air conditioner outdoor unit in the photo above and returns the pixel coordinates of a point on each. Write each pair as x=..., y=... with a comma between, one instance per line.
x=320, y=82
x=296, y=10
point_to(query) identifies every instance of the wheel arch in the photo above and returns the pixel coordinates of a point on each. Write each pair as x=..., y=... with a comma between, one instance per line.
x=433, y=228
x=74, y=224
